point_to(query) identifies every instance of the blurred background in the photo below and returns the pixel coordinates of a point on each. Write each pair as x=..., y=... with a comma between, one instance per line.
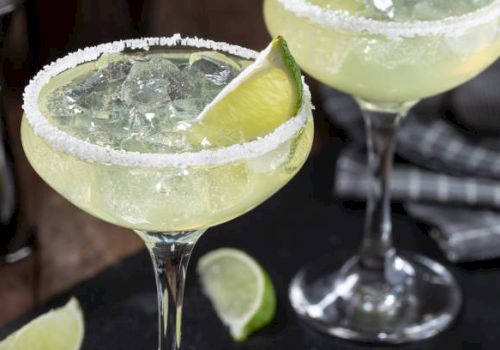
x=72, y=245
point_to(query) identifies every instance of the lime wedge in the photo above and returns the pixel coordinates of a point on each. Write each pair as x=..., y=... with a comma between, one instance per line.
x=240, y=290
x=60, y=329
x=262, y=97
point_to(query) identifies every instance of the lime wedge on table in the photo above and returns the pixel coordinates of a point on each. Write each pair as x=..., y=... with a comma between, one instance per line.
x=262, y=97
x=60, y=329
x=240, y=290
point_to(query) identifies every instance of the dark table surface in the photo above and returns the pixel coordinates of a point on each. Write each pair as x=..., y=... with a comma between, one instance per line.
x=300, y=223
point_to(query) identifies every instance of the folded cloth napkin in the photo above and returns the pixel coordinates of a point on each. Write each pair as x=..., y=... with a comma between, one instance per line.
x=411, y=183
x=463, y=233
x=425, y=138
x=450, y=179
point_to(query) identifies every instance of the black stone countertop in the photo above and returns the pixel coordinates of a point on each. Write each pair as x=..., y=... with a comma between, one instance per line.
x=297, y=225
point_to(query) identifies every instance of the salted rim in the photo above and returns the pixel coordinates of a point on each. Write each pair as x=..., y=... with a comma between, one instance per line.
x=83, y=150
x=450, y=26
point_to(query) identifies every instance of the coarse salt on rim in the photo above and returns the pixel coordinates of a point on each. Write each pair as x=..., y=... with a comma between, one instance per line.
x=83, y=150
x=336, y=19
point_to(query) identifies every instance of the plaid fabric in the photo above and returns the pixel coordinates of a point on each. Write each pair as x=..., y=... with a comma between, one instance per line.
x=463, y=233
x=438, y=145
x=446, y=166
x=409, y=182
x=424, y=139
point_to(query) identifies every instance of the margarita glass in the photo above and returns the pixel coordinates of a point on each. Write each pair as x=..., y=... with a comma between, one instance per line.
x=167, y=182
x=388, y=55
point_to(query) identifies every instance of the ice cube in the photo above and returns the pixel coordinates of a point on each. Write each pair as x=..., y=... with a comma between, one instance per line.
x=156, y=142
x=154, y=83
x=89, y=90
x=92, y=93
x=142, y=103
x=216, y=71
x=62, y=105
x=430, y=10
x=186, y=109
x=101, y=137
x=117, y=71
x=171, y=140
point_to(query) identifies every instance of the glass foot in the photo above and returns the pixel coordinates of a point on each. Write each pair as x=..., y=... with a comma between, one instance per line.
x=415, y=298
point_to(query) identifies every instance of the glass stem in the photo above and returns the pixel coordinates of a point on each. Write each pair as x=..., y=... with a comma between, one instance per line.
x=381, y=128
x=170, y=253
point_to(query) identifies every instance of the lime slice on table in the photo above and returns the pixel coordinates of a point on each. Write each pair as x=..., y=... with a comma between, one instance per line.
x=262, y=97
x=240, y=290
x=60, y=329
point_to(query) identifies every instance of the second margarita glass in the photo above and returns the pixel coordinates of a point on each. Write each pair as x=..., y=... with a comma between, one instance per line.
x=388, y=55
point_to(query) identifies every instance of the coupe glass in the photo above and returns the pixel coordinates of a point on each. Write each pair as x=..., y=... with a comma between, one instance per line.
x=387, y=65
x=168, y=199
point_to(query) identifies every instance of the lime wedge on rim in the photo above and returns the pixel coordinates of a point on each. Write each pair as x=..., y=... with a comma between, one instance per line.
x=261, y=98
x=240, y=290
x=60, y=329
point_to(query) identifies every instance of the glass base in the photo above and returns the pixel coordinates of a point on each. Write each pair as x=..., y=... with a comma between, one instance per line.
x=414, y=299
